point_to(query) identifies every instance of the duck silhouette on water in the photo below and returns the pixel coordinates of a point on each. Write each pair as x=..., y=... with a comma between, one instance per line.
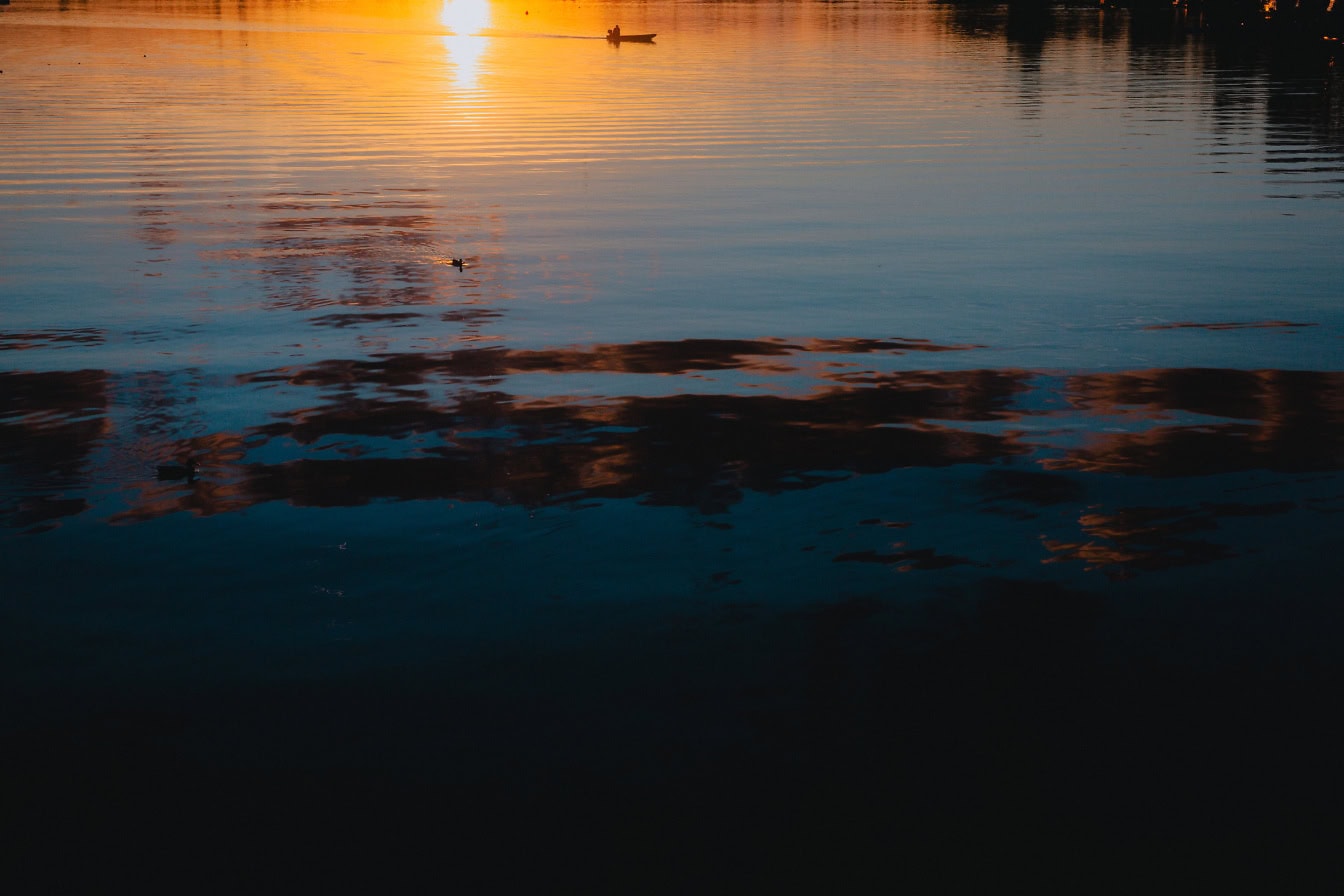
x=179, y=472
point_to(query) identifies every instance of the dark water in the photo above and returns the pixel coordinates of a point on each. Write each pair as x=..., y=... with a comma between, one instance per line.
x=861, y=440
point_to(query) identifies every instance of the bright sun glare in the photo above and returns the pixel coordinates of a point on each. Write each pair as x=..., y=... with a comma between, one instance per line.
x=466, y=19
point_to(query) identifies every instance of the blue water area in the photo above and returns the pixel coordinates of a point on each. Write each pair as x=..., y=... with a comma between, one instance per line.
x=833, y=447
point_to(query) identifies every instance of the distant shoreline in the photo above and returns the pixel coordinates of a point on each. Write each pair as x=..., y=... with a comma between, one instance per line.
x=1267, y=21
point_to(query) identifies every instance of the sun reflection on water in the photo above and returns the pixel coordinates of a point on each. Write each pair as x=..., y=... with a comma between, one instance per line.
x=466, y=19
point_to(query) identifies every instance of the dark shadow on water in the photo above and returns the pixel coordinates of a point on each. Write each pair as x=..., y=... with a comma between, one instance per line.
x=996, y=734
x=1102, y=706
x=985, y=727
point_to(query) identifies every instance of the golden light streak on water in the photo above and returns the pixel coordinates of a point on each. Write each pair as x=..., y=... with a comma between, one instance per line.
x=467, y=20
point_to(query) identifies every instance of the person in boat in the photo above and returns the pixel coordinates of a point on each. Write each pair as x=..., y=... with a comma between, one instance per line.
x=614, y=33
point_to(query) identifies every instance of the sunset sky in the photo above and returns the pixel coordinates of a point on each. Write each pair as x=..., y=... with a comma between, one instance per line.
x=834, y=435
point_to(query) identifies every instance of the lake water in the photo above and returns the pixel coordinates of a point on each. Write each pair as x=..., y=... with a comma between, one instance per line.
x=850, y=424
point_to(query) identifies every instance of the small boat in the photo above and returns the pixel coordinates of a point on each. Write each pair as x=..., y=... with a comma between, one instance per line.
x=640, y=38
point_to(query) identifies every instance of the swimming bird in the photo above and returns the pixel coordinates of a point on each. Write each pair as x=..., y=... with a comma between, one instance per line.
x=176, y=472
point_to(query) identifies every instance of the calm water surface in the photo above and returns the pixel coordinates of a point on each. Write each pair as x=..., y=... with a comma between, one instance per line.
x=813, y=353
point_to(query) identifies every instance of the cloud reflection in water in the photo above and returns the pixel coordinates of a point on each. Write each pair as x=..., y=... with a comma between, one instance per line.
x=445, y=427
